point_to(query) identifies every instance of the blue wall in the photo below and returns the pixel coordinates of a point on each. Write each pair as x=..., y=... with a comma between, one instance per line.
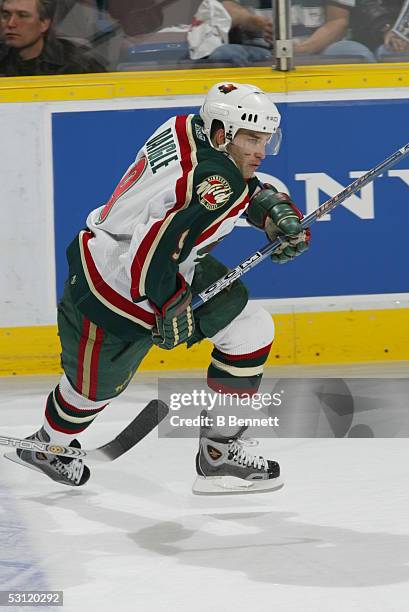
x=348, y=255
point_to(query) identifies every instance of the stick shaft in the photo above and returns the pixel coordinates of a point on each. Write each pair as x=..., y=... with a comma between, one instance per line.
x=151, y=415
x=325, y=208
x=41, y=447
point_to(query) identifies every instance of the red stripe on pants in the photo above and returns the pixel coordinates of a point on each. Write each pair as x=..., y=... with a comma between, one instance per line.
x=94, y=364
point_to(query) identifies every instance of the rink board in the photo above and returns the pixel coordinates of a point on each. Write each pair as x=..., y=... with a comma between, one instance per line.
x=300, y=338
x=346, y=300
x=326, y=144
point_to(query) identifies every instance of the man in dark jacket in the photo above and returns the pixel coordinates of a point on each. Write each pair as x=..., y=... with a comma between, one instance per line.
x=31, y=48
x=372, y=25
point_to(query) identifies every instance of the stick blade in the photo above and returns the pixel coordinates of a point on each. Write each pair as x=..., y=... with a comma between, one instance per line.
x=141, y=426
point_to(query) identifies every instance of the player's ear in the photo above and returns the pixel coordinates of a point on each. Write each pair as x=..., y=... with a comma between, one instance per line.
x=219, y=137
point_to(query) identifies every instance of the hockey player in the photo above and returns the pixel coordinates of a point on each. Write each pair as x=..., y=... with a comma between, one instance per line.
x=133, y=271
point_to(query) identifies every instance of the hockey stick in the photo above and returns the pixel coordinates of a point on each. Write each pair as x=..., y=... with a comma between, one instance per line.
x=143, y=423
x=269, y=248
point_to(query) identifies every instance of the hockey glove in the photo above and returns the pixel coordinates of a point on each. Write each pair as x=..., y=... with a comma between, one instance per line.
x=277, y=214
x=174, y=321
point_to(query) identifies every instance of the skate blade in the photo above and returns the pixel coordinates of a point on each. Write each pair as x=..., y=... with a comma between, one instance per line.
x=229, y=485
x=16, y=459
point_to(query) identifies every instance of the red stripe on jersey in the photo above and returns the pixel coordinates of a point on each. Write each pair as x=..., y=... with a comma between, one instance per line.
x=232, y=213
x=259, y=353
x=81, y=353
x=181, y=126
x=95, y=363
x=110, y=295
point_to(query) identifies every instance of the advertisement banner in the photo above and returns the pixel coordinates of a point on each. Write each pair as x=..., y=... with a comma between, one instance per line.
x=360, y=248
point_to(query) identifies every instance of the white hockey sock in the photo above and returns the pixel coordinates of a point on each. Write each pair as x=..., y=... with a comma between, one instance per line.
x=68, y=410
x=58, y=436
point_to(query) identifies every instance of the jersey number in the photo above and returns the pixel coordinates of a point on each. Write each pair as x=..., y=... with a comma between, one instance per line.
x=132, y=176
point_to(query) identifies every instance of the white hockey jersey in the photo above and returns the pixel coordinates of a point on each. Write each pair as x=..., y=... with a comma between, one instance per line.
x=179, y=197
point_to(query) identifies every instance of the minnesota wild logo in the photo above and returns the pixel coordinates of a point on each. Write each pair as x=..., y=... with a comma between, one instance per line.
x=214, y=192
x=228, y=88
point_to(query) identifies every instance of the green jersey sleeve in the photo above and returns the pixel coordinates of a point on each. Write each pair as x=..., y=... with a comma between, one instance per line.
x=218, y=189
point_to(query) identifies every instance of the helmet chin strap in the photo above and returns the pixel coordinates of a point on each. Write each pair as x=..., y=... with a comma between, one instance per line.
x=223, y=147
x=219, y=147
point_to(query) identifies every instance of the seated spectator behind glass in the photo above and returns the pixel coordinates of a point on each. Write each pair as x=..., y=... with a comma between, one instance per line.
x=319, y=28
x=372, y=25
x=250, y=36
x=30, y=46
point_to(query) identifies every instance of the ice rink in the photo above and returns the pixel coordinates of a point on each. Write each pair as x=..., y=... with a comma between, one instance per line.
x=336, y=537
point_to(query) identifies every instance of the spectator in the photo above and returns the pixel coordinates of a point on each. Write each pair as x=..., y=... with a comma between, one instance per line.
x=319, y=28
x=250, y=36
x=31, y=48
x=322, y=28
x=372, y=25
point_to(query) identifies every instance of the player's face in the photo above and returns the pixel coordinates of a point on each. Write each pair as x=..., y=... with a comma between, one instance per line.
x=248, y=150
x=21, y=24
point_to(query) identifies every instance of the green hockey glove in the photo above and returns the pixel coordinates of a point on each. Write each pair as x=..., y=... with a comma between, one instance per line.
x=174, y=320
x=291, y=248
x=277, y=215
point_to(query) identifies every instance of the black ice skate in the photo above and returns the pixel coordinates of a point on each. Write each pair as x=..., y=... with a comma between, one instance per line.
x=223, y=466
x=72, y=472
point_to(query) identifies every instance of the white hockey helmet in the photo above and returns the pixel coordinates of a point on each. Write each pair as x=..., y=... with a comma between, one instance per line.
x=238, y=107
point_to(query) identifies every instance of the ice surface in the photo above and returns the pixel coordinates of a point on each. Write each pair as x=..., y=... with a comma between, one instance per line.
x=336, y=537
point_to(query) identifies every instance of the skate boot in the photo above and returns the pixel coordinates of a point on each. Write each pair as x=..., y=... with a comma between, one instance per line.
x=72, y=472
x=223, y=466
